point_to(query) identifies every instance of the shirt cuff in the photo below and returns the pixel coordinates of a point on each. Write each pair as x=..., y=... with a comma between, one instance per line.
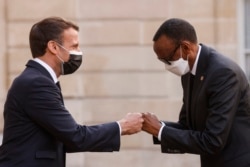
x=120, y=129
x=160, y=131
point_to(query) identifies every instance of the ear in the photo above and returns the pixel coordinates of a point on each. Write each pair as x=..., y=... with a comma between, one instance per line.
x=186, y=48
x=52, y=47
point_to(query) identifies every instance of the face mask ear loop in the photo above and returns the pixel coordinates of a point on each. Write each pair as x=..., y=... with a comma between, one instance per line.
x=62, y=47
x=60, y=58
x=62, y=62
x=181, y=52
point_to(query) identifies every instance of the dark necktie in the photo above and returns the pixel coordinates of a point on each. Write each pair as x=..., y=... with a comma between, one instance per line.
x=58, y=85
x=191, y=81
x=191, y=85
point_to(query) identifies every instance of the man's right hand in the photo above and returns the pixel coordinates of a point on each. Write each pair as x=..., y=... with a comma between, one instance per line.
x=131, y=123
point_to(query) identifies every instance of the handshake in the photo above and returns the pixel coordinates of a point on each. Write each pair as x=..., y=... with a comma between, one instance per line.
x=135, y=122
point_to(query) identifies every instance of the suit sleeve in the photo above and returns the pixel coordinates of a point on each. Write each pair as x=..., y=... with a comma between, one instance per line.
x=178, y=125
x=44, y=105
x=223, y=98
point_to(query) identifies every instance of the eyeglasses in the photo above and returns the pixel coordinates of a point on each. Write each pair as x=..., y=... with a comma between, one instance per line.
x=167, y=61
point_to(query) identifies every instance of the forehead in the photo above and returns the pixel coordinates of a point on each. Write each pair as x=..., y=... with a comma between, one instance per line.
x=163, y=42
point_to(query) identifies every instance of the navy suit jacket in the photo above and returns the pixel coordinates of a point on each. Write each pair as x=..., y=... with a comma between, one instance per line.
x=215, y=121
x=38, y=129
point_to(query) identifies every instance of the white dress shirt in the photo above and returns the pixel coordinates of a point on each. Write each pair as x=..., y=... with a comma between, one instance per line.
x=48, y=68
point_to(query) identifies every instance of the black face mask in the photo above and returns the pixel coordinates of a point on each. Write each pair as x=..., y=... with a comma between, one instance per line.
x=75, y=61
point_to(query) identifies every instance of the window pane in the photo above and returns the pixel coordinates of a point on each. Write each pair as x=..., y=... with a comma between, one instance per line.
x=248, y=66
x=247, y=24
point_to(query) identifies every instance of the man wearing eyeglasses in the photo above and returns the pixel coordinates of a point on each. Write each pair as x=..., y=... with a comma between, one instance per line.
x=214, y=119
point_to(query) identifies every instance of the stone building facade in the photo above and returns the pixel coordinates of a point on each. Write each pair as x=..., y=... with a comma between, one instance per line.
x=120, y=72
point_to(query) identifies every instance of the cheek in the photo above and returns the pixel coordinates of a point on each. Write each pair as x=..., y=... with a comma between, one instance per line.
x=65, y=57
x=161, y=52
x=161, y=55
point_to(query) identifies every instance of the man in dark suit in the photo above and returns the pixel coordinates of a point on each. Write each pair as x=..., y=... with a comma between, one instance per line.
x=214, y=120
x=38, y=129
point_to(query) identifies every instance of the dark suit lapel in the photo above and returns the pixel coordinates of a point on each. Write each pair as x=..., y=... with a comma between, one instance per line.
x=190, y=98
x=34, y=64
x=195, y=95
x=190, y=101
x=200, y=74
x=186, y=89
x=59, y=86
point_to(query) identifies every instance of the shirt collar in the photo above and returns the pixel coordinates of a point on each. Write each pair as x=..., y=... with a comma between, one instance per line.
x=193, y=71
x=48, y=68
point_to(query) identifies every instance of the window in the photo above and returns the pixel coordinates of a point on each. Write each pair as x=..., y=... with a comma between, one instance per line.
x=247, y=37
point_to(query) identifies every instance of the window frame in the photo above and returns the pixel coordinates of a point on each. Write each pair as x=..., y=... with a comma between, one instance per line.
x=242, y=48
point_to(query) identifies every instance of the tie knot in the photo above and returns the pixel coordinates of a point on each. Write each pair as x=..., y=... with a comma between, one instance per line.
x=58, y=85
x=191, y=80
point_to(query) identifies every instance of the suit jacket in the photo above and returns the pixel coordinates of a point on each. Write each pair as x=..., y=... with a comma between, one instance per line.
x=38, y=129
x=214, y=120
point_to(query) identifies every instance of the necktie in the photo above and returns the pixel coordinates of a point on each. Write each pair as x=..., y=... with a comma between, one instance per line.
x=58, y=85
x=191, y=82
x=191, y=85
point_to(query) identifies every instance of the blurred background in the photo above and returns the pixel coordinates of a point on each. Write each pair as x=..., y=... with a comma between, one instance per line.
x=120, y=72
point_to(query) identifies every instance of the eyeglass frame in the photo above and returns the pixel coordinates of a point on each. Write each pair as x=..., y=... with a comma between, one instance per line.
x=170, y=57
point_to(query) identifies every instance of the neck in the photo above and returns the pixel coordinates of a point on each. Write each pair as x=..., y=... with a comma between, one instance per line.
x=48, y=60
x=192, y=56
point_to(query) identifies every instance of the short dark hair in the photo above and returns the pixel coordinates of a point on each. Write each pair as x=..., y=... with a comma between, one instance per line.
x=45, y=30
x=177, y=30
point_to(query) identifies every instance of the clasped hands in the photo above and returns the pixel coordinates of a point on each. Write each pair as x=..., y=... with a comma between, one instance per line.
x=136, y=122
